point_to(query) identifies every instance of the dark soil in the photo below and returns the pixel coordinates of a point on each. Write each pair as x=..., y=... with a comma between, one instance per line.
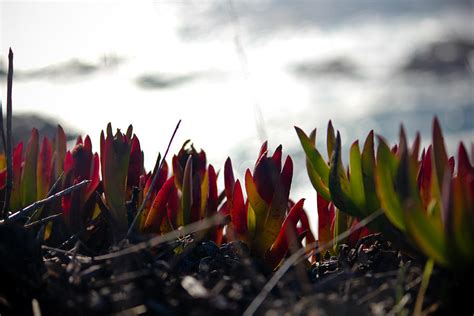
x=195, y=277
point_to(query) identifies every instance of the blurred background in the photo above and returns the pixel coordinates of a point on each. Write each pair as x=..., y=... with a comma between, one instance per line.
x=241, y=72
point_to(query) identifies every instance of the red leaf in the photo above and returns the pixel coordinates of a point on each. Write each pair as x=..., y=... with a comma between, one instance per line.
x=3, y=178
x=277, y=157
x=326, y=216
x=17, y=162
x=263, y=152
x=464, y=165
x=424, y=178
x=88, y=143
x=135, y=166
x=177, y=172
x=238, y=213
x=310, y=239
x=451, y=164
x=265, y=177
x=229, y=180
x=158, y=208
x=162, y=177
x=440, y=157
x=287, y=175
x=280, y=246
x=94, y=177
x=213, y=199
x=59, y=152
x=79, y=140
x=82, y=160
x=173, y=208
x=196, y=199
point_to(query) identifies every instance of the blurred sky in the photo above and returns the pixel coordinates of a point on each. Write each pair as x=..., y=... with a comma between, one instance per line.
x=239, y=72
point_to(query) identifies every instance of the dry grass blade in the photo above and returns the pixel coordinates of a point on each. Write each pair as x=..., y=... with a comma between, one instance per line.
x=9, y=185
x=252, y=308
x=153, y=183
x=43, y=220
x=40, y=203
x=50, y=192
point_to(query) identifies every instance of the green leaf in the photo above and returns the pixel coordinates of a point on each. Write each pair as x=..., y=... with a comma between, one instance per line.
x=115, y=157
x=339, y=185
x=317, y=182
x=427, y=234
x=28, y=180
x=385, y=171
x=341, y=224
x=368, y=173
x=251, y=222
x=356, y=178
x=187, y=193
x=273, y=223
x=259, y=206
x=204, y=194
x=312, y=154
x=261, y=212
x=330, y=140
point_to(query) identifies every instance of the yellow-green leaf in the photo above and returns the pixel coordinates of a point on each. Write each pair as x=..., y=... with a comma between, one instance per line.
x=187, y=193
x=313, y=155
x=385, y=171
x=427, y=234
x=339, y=185
x=356, y=178
x=28, y=179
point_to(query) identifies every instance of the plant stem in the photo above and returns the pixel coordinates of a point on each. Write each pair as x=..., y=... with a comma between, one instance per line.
x=423, y=287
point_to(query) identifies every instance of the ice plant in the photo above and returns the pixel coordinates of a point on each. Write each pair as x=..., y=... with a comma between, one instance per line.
x=429, y=199
x=114, y=161
x=145, y=186
x=427, y=203
x=35, y=170
x=135, y=167
x=80, y=164
x=189, y=195
x=264, y=221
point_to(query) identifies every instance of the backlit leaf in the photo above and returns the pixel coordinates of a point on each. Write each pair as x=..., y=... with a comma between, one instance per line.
x=356, y=178
x=312, y=154
x=187, y=192
x=28, y=178
x=385, y=173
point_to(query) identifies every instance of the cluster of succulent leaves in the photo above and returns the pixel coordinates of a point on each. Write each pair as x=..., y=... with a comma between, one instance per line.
x=118, y=185
x=427, y=198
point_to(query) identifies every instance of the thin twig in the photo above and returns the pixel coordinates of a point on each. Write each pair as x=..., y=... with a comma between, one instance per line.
x=40, y=203
x=252, y=308
x=157, y=240
x=43, y=220
x=50, y=192
x=153, y=183
x=9, y=185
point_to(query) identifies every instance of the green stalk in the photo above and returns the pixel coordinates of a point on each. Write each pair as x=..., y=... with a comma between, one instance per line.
x=423, y=287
